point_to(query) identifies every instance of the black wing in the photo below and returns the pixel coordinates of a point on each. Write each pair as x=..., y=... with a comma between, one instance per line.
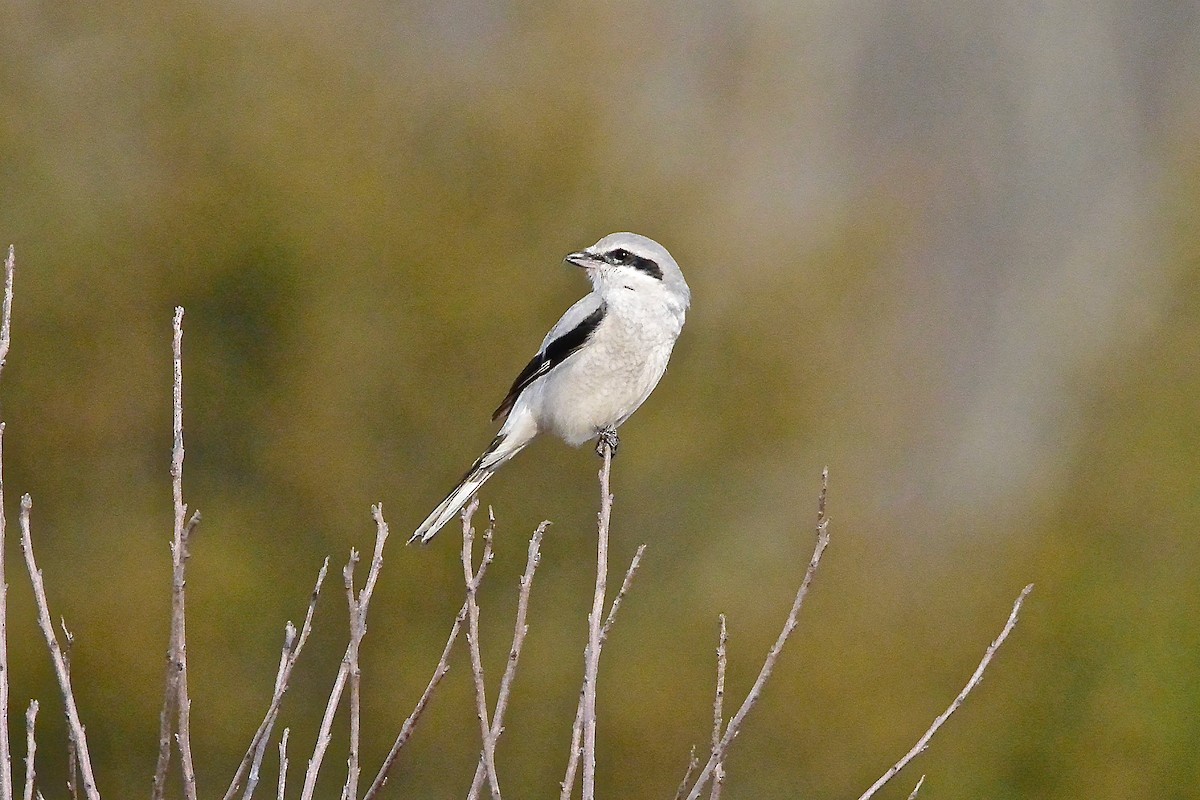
x=553, y=354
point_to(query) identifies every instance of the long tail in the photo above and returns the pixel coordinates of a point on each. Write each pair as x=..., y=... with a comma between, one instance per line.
x=498, y=453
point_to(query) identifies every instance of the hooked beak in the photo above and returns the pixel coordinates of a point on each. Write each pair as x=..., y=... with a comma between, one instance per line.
x=582, y=259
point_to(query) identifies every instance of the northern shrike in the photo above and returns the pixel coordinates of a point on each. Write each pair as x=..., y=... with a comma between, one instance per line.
x=599, y=362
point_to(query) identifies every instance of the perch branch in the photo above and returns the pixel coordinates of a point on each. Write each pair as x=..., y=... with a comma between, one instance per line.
x=514, y=654
x=74, y=724
x=30, y=748
x=339, y=684
x=568, y=782
x=292, y=645
x=735, y=724
x=439, y=672
x=976, y=677
x=592, y=654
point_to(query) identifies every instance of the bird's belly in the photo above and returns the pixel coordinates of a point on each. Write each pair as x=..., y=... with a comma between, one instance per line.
x=597, y=389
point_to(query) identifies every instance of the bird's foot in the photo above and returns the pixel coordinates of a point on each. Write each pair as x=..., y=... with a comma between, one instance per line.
x=607, y=438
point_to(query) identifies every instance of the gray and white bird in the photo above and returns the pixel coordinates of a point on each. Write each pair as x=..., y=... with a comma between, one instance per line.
x=599, y=362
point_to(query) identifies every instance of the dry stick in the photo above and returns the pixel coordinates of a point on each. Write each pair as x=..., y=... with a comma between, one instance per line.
x=350, y=792
x=718, y=702
x=916, y=788
x=72, y=754
x=768, y=666
x=976, y=677
x=30, y=747
x=693, y=762
x=324, y=735
x=179, y=557
x=6, y=786
x=568, y=782
x=439, y=672
x=283, y=763
x=292, y=645
x=485, y=728
x=592, y=654
x=520, y=628
x=289, y=636
x=60, y=668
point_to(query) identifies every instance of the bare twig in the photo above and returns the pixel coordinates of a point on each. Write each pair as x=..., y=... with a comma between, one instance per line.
x=916, y=788
x=72, y=753
x=592, y=654
x=976, y=677
x=789, y=625
x=283, y=763
x=177, y=669
x=514, y=653
x=693, y=763
x=30, y=748
x=439, y=672
x=350, y=791
x=75, y=726
x=718, y=703
x=568, y=782
x=6, y=315
x=260, y=751
x=481, y=710
x=292, y=645
x=6, y=786
x=324, y=735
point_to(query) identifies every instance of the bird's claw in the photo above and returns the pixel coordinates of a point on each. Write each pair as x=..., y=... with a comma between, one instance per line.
x=607, y=438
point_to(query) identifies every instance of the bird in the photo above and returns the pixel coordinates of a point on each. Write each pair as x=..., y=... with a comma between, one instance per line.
x=595, y=367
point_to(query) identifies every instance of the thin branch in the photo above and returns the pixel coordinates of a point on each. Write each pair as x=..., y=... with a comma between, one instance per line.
x=568, y=782
x=718, y=703
x=292, y=645
x=592, y=654
x=481, y=711
x=6, y=315
x=30, y=748
x=260, y=752
x=283, y=763
x=60, y=668
x=6, y=787
x=179, y=557
x=324, y=735
x=789, y=625
x=916, y=788
x=520, y=628
x=350, y=792
x=6, y=784
x=976, y=677
x=693, y=763
x=72, y=753
x=439, y=672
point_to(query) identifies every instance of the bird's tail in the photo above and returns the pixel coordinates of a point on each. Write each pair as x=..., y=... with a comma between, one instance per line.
x=499, y=452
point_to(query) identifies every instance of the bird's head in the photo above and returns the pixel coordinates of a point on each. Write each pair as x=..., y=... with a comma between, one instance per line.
x=627, y=262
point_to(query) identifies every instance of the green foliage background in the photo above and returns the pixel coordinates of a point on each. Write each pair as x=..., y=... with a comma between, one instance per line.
x=967, y=287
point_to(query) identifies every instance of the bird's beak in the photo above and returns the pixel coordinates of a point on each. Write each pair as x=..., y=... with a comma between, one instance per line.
x=581, y=259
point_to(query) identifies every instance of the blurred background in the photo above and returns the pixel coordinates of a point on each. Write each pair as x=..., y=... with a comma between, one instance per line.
x=949, y=250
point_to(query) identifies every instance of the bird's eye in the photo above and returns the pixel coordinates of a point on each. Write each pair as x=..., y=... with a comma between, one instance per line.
x=620, y=255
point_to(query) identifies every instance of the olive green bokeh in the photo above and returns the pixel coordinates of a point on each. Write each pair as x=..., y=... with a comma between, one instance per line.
x=362, y=212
